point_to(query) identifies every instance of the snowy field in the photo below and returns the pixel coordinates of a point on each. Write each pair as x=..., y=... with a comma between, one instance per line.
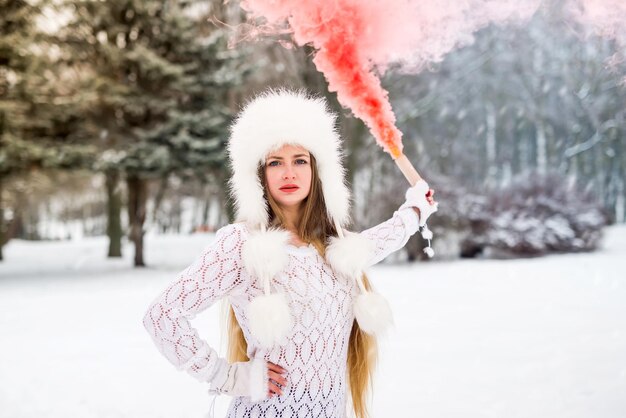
x=538, y=338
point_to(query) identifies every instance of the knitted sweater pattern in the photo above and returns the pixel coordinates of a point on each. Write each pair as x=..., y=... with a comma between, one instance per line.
x=315, y=351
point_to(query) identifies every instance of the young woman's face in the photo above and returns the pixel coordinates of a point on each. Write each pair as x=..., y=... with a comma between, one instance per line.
x=287, y=167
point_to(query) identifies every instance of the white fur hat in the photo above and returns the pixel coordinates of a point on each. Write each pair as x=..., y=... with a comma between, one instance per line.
x=266, y=123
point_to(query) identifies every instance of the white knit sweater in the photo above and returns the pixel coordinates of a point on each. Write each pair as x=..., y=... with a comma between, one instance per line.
x=315, y=352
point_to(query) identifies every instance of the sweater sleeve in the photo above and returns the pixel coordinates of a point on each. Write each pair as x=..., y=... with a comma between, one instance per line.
x=216, y=273
x=393, y=234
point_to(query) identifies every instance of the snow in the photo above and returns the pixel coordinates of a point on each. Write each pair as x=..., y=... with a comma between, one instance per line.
x=542, y=337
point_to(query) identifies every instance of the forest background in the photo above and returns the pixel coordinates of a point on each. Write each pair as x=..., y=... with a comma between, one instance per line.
x=114, y=119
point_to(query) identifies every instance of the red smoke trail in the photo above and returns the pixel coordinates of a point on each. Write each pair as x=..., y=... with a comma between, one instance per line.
x=356, y=40
x=358, y=88
x=340, y=31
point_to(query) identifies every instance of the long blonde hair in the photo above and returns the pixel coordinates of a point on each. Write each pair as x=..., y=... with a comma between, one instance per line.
x=315, y=227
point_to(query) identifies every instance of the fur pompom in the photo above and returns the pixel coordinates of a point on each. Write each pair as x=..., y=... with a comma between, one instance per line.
x=349, y=256
x=429, y=252
x=373, y=313
x=263, y=253
x=270, y=318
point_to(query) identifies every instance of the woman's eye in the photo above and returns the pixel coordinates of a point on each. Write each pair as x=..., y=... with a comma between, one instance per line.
x=303, y=161
x=272, y=163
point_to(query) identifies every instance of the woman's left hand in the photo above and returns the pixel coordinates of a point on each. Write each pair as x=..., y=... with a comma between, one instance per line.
x=429, y=196
x=421, y=198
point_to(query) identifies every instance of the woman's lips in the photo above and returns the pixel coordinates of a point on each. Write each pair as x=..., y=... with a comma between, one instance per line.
x=289, y=189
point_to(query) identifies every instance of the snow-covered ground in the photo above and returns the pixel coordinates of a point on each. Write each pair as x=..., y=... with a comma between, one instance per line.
x=536, y=338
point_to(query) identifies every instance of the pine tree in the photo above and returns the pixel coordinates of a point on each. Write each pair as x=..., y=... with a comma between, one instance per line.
x=16, y=66
x=157, y=85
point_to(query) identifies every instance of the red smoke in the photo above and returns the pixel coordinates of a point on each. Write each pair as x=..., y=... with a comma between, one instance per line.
x=356, y=40
x=348, y=73
x=348, y=35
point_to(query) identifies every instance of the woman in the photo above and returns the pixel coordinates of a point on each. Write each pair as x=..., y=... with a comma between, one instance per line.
x=304, y=318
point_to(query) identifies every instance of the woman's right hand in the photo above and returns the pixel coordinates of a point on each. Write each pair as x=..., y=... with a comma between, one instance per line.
x=248, y=378
x=276, y=375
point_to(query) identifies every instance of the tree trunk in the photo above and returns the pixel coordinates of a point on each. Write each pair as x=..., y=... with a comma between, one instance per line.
x=2, y=236
x=355, y=133
x=137, y=198
x=158, y=198
x=114, y=209
x=207, y=198
x=222, y=177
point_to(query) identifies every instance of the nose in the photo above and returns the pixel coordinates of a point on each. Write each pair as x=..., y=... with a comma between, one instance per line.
x=289, y=173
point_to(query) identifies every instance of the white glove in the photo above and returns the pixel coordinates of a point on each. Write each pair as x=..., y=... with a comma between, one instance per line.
x=245, y=378
x=416, y=197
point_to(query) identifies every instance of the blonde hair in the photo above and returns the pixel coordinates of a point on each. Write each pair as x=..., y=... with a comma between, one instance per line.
x=316, y=227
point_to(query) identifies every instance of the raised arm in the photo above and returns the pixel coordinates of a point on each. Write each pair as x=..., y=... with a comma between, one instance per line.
x=216, y=273
x=393, y=234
